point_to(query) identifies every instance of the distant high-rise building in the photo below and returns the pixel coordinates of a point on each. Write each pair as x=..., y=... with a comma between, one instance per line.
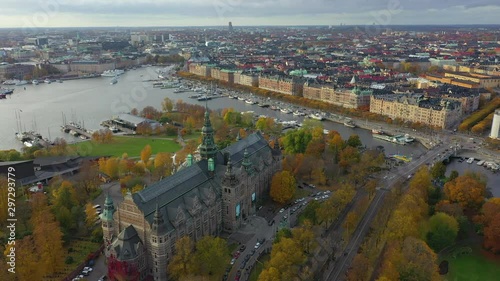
x=230, y=27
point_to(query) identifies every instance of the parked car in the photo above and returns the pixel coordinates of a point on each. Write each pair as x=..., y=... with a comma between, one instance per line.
x=233, y=260
x=257, y=245
x=270, y=223
x=242, y=248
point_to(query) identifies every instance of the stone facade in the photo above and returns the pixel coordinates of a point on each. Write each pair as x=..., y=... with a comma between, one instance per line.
x=285, y=85
x=200, y=69
x=202, y=198
x=436, y=112
x=348, y=98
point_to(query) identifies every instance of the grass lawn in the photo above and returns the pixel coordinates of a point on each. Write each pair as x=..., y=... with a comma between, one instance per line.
x=472, y=267
x=259, y=266
x=121, y=144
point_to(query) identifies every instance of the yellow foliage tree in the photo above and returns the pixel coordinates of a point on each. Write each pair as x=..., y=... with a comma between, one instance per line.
x=283, y=187
x=146, y=154
x=182, y=264
x=49, y=247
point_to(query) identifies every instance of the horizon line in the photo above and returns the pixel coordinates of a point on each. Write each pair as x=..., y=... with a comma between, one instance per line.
x=274, y=25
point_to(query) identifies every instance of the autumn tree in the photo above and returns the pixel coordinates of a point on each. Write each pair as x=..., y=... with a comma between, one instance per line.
x=491, y=222
x=466, y=190
x=350, y=222
x=283, y=187
x=286, y=258
x=358, y=271
x=122, y=270
x=48, y=247
x=87, y=179
x=146, y=154
x=212, y=254
x=27, y=259
x=163, y=164
x=182, y=264
x=109, y=166
x=443, y=230
x=3, y=199
x=167, y=105
x=304, y=235
x=371, y=187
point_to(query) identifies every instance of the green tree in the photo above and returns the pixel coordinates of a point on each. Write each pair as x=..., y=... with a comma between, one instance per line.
x=438, y=170
x=443, y=230
x=212, y=254
x=453, y=175
x=296, y=141
x=354, y=141
x=283, y=187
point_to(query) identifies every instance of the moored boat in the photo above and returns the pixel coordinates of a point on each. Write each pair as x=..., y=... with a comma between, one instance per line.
x=316, y=116
x=112, y=73
x=349, y=124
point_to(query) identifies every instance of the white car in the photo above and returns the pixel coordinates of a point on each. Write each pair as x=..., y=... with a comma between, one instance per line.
x=282, y=210
x=88, y=268
x=257, y=245
x=233, y=261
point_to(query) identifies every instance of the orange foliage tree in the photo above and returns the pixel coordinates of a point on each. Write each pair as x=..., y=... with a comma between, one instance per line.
x=467, y=190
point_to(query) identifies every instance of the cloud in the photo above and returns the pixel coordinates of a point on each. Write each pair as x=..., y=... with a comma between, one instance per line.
x=209, y=12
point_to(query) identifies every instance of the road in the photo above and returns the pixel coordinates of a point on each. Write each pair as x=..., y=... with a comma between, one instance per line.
x=257, y=228
x=342, y=263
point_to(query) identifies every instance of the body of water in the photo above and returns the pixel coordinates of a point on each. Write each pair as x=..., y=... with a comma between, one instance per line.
x=91, y=101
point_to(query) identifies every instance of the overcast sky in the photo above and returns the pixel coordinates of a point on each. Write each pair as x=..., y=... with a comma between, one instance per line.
x=70, y=13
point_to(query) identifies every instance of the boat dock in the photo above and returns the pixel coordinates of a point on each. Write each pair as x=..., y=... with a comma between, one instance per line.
x=114, y=127
x=76, y=131
x=30, y=139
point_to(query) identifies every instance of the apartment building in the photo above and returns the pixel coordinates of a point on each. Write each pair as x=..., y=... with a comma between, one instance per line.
x=285, y=85
x=416, y=108
x=348, y=98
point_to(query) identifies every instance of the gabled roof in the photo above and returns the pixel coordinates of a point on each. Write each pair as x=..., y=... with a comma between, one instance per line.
x=127, y=244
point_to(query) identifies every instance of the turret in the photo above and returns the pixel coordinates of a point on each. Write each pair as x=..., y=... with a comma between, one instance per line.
x=208, y=149
x=246, y=163
x=107, y=222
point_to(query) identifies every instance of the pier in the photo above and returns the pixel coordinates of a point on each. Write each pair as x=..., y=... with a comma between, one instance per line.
x=30, y=139
x=115, y=126
x=76, y=131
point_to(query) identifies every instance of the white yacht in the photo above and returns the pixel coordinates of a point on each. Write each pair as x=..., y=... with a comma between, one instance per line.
x=113, y=73
x=47, y=81
x=316, y=116
x=470, y=160
x=35, y=82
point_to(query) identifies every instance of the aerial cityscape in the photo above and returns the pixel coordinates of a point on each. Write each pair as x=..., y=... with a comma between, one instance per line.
x=250, y=140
